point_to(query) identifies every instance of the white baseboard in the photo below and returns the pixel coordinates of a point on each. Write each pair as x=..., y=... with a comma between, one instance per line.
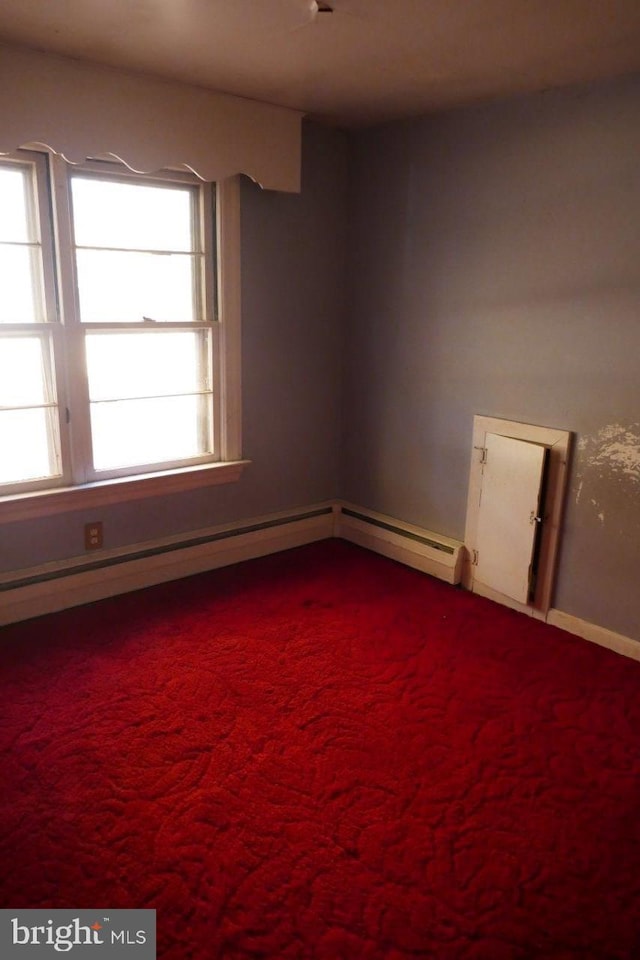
x=56, y=586
x=484, y=591
x=46, y=589
x=595, y=634
x=414, y=546
x=406, y=544
x=625, y=646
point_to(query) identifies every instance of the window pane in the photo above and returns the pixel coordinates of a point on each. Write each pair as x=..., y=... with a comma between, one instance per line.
x=128, y=365
x=20, y=281
x=131, y=215
x=22, y=372
x=129, y=432
x=24, y=445
x=125, y=287
x=15, y=223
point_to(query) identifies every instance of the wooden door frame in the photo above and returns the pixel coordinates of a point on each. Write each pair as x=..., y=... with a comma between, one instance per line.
x=558, y=442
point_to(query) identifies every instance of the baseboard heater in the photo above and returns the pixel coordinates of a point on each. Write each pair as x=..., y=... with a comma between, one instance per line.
x=55, y=586
x=430, y=552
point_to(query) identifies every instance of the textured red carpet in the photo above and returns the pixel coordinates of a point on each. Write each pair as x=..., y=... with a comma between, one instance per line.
x=324, y=755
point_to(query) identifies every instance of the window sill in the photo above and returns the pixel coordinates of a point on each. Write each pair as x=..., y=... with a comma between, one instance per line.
x=46, y=503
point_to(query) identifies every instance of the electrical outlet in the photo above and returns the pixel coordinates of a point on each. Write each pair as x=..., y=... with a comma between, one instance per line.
x=93, y=535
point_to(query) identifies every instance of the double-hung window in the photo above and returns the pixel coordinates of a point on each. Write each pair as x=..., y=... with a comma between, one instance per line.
x=114, y=362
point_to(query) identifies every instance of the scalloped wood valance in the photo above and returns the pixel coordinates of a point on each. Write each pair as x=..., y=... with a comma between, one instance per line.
x=80, y=110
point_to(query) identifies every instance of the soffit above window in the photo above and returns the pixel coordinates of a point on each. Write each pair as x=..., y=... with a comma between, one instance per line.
x=81, y=110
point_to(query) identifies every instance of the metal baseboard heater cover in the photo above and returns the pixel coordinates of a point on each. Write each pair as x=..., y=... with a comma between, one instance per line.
x=54, y=586
x=419, y=548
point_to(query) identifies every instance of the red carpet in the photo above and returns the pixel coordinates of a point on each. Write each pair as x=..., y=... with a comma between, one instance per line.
x=324, y=756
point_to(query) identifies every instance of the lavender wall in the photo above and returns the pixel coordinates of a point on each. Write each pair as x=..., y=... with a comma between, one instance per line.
x=293, y=270
x=496, y=266
x=482, y=261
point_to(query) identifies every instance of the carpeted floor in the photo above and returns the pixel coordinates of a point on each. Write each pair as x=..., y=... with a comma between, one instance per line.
x=323, y=755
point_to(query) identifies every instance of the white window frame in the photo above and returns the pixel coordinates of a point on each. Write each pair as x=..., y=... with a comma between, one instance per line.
x=78, y=487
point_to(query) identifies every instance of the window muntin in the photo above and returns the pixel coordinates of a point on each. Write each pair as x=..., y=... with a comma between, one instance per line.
x=139, y=371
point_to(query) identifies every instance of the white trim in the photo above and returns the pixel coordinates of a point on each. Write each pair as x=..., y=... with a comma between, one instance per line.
x=484, y=591
x=46, y=503
x=230, y=313
x=68, y=585
x=404, y=543
x=625, y=646
x=71, y=356
x=81, y=109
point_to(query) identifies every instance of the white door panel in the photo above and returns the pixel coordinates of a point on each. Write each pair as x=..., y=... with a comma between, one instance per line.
x=509, y=500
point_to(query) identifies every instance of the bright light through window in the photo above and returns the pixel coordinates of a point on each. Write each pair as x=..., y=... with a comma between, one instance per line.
x=150, y=396
x=138, y=262
x=15, y=221
x=28, y=414
x=29, y=461
x=110, y=362
x=25, y=405
x=20, y=254
x=131, y=216
x=136, y=254
x=127, y=287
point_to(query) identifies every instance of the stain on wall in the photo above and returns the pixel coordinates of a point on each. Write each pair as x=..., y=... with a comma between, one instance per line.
x=609, y=471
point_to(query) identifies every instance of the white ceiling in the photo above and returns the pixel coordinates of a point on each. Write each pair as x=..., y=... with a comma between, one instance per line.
x=368, y=61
